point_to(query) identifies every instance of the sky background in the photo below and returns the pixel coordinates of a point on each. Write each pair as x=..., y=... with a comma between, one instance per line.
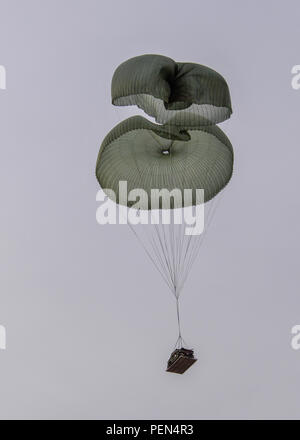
x=87, y=337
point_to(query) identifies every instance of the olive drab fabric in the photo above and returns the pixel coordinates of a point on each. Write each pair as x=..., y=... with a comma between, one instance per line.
x=132, y=152
x=187, y=93
x=187, y=100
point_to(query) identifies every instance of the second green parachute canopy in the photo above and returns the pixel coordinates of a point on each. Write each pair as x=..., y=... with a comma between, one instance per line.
x=150, y=156
x=186, y=93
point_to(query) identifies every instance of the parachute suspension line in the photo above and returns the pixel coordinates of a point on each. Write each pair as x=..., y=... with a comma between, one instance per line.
x=151, y=258
x=164, y=251
x=178, y=317
x=180, y=341
x=198, y=243
x=194, y=246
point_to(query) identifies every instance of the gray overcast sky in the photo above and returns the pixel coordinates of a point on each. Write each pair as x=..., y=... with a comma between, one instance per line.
x=84, y=340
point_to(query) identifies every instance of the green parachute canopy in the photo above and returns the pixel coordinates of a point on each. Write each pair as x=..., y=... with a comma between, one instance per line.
x=186, y=93
x=149, y=156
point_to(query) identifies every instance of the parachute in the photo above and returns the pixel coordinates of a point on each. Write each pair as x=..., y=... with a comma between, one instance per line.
x=183, y=151
x=188, y=93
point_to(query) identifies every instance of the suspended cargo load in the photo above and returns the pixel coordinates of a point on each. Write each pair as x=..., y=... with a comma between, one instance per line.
x=180, y=360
